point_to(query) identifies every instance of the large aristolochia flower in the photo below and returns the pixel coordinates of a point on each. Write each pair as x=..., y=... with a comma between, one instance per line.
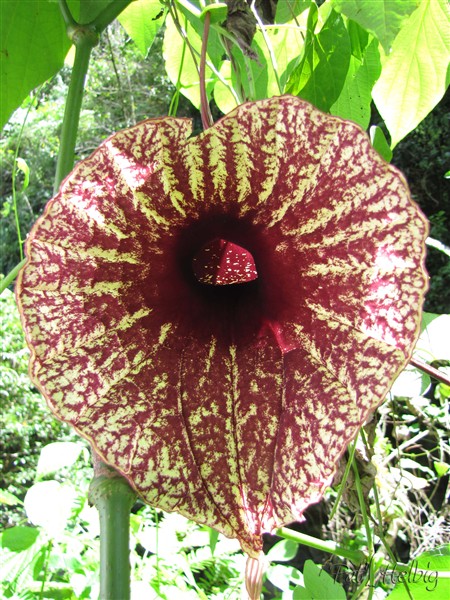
x=219, y=314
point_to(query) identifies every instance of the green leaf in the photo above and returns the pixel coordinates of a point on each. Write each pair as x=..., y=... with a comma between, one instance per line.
x=383, y=18
x=17, y=539
x=325, y=65
x=287, y=10
x=180, y=65
x=427, y=576
x=380, y=143
x=281, y=576
x=413, y=78
x=441, y=468
x=22, y=166
x=213, y=537
x=33, y=44
x=217, y=12
x=9, y=499
x=283, y=551
x=319, y=584
x=57, y=455
x=142, y=20
x=354, y=101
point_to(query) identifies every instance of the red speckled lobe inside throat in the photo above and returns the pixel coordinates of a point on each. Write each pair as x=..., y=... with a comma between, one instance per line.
x=220, y=262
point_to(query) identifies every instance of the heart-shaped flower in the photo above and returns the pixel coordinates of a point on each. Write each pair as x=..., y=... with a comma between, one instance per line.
x=219, y=314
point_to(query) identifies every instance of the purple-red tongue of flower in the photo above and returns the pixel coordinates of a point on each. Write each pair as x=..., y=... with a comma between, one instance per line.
x=221, y=262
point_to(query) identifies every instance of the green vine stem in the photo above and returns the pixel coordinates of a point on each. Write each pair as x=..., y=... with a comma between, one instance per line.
x=84, y=38
x=113, y=497
x=356, y=556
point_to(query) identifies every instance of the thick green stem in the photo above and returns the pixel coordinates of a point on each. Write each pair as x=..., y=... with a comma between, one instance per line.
x=113, y=498
x=356, y=556
x=84, y=39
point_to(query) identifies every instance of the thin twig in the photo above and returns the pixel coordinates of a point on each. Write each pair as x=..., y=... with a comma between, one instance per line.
x=429, y=370
x=205, y=111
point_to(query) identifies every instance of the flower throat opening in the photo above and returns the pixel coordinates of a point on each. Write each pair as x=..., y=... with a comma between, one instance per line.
x=220, y=262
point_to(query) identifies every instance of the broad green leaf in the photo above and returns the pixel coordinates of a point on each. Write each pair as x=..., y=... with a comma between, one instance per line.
x=427, y=576
x=283, y=551
x=85, y=11
x=319, y=584
x=57, y=455
x=288, y=44
x=33, y=44
x=325, y=66
x=223, y=94
x=302, y=72
x=355, y=98
x=255, y=77
x=287, y=10
x=383, y=18
x=413, y=78
x=380, y=143
x=142, y=20
x=17, y=539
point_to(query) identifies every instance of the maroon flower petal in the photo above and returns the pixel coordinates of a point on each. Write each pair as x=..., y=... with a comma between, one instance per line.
x=218, y=315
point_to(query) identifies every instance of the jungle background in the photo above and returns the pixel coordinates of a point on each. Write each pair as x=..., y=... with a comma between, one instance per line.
x=403, y=458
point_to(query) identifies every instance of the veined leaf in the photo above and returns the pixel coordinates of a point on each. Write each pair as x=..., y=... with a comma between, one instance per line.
x=356, y=96
x=33, y=44
x=289, y=9
x=413, y=79
x=142, y=20
x=325, y=66
x=383, y=18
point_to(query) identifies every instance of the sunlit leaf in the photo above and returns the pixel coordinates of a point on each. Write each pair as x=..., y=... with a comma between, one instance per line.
x=23, y=166
x=441, y=468
x=383, y=18
x=57, y=455
x=282, y=551
x=427, y=575
x=49, y=504
x=9, y=499
x=413, y=78
x=182, y=64
x=433, y=341
x=287, y=10
x=142, y=19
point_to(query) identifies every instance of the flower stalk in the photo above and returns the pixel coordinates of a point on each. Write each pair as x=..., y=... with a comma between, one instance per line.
x=113, y=497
